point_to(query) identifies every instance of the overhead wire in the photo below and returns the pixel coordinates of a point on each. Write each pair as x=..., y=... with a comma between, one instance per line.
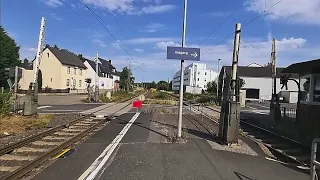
x=83, y=19
x=223, y=22
x=246, y=24
x=99, y=20
x=114, y=18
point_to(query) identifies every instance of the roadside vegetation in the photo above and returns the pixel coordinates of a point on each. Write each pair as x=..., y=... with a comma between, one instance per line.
x=120, y=96
x=160, y=97
x=15, y=124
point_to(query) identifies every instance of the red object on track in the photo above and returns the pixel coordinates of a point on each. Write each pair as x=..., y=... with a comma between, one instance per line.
x=137, y=104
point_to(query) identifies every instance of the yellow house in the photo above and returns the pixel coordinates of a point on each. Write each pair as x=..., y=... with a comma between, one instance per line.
x=62, y=69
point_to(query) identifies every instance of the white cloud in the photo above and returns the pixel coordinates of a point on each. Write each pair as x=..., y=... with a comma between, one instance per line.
x=293, y=11
x=153, y=27
x=154, y=9
x=113, y=5
x=288, y=51
x=139, y=50
x=163, y=45
x=215, y=14
x=52, y=3
x=99, y=42
x=55, y=17
x=146, y=40
x=31, y=49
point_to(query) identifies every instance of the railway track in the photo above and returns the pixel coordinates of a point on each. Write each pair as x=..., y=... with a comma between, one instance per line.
x=285, y=148
x=19, y=158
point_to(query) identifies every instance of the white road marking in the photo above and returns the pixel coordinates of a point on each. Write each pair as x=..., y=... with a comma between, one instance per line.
x=98, y=164
x=41, y=107
x=60, y=110
x=298, y=166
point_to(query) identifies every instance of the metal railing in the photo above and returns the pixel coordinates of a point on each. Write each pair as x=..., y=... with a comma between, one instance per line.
x=288, y=113
x=314, y=163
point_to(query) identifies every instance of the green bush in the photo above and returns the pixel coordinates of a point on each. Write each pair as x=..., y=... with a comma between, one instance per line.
x=5, y=103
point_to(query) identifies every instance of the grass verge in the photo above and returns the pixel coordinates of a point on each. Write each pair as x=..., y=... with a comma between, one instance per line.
x=15, y=124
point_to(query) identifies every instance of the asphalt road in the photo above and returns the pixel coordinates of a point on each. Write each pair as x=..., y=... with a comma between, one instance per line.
x=141, y=153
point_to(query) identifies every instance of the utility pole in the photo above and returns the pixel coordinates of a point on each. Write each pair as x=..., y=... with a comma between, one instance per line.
x=218, y=77
x=15, y=88
x=235, y=62
x=182, y=69
x=31, y=103
x=230, y=108
x=97, y=78
x=274, y=70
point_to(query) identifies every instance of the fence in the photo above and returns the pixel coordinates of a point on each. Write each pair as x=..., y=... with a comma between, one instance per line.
x=288, y=113
x=314, y=163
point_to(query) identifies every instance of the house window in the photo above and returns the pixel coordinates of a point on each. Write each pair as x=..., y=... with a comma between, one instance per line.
x=316, y=89
x=80, y=82
x=48, y=55
x=68, y=83
x=198, y=72
x=75, y=71
x=80, y=73
x=205, y=80
x=51, y=80
x=74, y=83
x=205, y=73
x=198, y=79
x=68, y=70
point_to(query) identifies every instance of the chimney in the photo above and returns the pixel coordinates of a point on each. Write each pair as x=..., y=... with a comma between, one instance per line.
x=25, y=63
x=110, y=61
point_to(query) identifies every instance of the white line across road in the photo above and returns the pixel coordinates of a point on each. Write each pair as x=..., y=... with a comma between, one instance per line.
x=98, y=164
x=41, y=107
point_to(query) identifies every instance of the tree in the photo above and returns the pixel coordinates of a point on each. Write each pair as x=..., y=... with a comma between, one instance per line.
x=56, y=46
x=241, y=82
x=153, y=85
x=125, y=78
x=170, y=86
x=80, y=56
x=163, y=85
x=212, y=87
x=9, y=55
x=39, y=80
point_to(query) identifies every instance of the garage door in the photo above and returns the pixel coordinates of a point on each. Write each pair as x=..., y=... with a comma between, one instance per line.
x=252, y=93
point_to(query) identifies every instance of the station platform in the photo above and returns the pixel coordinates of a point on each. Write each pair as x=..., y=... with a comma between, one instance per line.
x=147, y=150
x=109, y=109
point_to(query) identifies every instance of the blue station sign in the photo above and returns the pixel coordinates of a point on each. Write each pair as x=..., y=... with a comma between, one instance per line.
x=182, y=53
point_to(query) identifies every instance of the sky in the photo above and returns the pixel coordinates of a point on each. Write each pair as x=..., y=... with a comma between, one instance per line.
x=136, y=33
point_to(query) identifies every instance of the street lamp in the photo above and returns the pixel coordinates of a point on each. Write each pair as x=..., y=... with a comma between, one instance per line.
x=218, y=78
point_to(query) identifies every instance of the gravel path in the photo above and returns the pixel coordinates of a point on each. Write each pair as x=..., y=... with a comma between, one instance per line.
x=56, y=121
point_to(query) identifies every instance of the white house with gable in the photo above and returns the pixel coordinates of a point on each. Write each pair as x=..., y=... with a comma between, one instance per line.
x=108, y=76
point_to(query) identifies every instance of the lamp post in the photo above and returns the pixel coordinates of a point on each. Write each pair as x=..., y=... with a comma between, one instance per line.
x=218, y=77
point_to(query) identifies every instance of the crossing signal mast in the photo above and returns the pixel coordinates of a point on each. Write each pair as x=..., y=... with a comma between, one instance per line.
x=31, y=103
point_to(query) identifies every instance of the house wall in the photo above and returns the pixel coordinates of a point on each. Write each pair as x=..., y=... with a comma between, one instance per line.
x=55, y=74
x=265, y=86
x=50, y=68
x=26, y=78
x=76, y=79
x=108, y=82
x=196, y=74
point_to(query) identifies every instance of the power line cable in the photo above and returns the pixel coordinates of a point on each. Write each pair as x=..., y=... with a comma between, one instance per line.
x=114, y=18
x=246, y=24
x=118, y=42
x=83, y=19
x=223, y=22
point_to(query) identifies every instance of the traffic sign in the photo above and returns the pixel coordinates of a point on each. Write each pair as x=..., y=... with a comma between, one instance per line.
x=183, y=53
x=137, y=104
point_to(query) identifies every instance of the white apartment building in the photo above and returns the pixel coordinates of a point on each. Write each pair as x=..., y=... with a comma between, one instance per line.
x=196, y=77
